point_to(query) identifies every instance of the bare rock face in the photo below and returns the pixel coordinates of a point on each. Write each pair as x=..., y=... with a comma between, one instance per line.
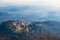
x=14, y=29
x=21, y=30
x=18, y=30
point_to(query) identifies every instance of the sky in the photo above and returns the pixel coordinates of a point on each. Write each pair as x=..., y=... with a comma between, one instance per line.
x=50, y=3
x=53, y=4
x=50, y=8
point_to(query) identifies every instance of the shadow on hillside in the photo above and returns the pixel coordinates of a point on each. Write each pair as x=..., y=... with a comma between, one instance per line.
x=39, y=38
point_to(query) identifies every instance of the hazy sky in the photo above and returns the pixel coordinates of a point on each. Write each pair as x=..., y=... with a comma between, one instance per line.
x=50, y=8
x=50, y=3
x=54, y=4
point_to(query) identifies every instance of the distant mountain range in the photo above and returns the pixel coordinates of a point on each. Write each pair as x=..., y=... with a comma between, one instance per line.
x=27, y=13
x=21, y=30
x=5, y=16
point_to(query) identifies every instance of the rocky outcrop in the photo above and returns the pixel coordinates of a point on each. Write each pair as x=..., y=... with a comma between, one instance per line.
x=21, y=30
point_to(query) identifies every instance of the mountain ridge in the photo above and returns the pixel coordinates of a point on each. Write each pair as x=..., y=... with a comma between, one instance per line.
x=29, y=30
